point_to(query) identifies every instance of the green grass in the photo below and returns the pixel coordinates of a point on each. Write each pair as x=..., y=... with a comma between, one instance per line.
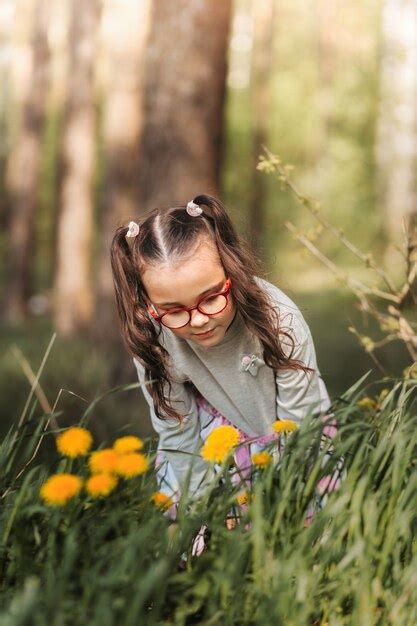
x=112, y=561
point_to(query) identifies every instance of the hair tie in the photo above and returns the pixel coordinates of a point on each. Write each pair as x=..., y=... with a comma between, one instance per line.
x=193, y=209
x=133, y=229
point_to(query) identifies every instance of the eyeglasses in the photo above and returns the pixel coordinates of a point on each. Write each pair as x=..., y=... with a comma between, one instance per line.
x=208, y=305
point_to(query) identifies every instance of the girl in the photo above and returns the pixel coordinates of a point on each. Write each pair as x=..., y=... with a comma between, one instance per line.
x=212, y=342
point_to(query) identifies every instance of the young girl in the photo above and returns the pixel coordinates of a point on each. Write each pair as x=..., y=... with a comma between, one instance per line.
x=212, y=342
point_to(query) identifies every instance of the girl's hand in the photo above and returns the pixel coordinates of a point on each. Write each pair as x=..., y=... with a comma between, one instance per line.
x=230, y=523
x=198, y=542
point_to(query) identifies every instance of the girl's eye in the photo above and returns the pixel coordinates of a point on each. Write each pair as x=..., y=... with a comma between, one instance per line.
x=213, y=304
x=175, y=312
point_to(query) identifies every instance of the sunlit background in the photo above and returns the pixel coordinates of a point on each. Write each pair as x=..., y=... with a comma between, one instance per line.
x=110, y=108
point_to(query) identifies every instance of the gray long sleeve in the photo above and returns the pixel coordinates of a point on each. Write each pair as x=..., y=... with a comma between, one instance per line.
x=299, y=392
x=181, y=443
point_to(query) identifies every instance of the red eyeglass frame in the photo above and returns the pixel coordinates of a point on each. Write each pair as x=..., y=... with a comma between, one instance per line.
x=225, y=292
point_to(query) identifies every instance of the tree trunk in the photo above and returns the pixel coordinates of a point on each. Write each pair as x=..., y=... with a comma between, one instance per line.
x=125, y=39
x=184, y=97
x=22, y=177
x=263, y=21
x=73, y=286
x=6, y=27
x=325, y=16
x=397, y=126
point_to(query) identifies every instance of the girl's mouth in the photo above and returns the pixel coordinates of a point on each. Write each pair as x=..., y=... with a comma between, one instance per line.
x=206, y=334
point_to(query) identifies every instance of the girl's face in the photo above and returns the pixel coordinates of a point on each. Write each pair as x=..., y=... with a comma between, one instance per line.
x=183, y=285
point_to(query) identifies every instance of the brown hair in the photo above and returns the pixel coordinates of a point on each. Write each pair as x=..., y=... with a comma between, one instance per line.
x=169, y=234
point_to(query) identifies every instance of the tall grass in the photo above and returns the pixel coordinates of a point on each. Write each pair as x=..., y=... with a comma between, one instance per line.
x=118, y=560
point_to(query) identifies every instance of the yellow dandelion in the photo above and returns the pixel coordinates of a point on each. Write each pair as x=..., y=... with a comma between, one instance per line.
x=74, y=442
x=60, y=488
x=284, y=426
x=220, y=443
x=103, y=461
x=161, y=500
x=100, y=485
x=367, y=403
x=125, y=445
x=243, y=498
x=133, y=464
x=261, y=459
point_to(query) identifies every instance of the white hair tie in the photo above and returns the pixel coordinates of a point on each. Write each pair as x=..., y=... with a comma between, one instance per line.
x=133, y=229
x=193, y=209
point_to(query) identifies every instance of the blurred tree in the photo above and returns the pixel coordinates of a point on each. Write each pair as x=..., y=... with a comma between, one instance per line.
x=263, y=16
x=22, y=176
x=73, y=304
x=397, y=130
x=184, y=96
x=6, y=18
x=125, y=31
x=327, y=32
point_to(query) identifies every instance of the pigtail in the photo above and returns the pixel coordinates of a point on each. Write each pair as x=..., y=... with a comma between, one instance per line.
x=241, y=265
x=139, y=333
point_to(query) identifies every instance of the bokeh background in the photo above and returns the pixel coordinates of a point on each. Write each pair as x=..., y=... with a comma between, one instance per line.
x=109, y=108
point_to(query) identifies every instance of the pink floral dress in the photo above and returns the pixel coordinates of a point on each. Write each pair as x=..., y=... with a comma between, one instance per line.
x=210, y=418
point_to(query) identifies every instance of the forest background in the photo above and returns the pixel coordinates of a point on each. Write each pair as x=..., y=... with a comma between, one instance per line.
x=110, y=108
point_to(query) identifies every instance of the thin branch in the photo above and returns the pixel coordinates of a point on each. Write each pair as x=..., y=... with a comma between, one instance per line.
x=370, y=352
x=352, y=282
x=367, y=259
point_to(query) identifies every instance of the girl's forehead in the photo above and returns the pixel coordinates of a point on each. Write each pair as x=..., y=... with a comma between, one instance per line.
x=183, y=282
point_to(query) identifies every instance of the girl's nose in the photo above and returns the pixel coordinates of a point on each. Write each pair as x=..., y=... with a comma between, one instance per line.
x=198, y=319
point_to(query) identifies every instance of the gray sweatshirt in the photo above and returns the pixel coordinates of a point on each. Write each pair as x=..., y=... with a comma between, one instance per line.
x=250, y=397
